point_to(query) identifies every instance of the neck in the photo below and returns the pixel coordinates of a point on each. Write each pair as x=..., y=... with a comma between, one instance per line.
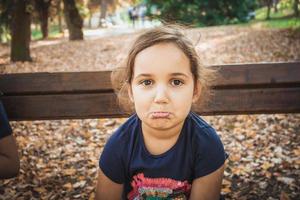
x=162, y=134
x=159, y=141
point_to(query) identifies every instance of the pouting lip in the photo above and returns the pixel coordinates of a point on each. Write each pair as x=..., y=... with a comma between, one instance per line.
x=159, y=114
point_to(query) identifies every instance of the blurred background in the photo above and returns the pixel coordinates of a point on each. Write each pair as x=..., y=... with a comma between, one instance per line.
x=59, y=158
x=32, y=20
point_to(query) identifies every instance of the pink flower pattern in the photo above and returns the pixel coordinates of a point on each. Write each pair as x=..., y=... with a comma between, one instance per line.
x=158, y=188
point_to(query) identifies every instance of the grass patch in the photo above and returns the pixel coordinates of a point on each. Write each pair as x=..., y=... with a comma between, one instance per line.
x=261, y=13
x=293, y=23
x=283, y=19
x=36, y=34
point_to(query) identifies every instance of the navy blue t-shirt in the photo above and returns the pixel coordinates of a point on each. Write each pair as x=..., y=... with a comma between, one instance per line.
x=125, y=159
x=5, y=128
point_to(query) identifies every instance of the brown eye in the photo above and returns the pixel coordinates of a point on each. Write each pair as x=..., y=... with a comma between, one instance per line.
x=146, y=82
x=176, y=82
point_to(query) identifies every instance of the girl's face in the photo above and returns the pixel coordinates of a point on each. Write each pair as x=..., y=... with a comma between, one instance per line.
x=162, y=87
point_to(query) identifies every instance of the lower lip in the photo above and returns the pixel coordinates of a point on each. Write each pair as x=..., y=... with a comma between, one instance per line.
x=156, y=115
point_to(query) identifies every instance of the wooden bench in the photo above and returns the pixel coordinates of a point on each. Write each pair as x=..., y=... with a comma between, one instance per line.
x=243, y=89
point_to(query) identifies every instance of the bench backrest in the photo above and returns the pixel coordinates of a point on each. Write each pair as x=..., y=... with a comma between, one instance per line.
x=241, y=89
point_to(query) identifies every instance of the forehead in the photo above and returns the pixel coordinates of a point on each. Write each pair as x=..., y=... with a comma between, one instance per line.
x=162, y=58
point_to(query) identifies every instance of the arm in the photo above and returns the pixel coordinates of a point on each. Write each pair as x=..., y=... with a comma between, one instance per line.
x=208, y=187
x=107, y=189
x=9, y=160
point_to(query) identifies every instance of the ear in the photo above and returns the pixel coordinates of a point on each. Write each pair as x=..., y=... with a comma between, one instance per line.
x=197, y=91
x=129, y=91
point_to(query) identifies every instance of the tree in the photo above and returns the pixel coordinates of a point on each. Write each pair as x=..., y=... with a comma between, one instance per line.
x=290, y=4
x=275, y=3
x=59, y=15
x=103, y=10
x=20, y=30
x=42, y=7
x=73, y=20
x=203, y=12
x=269, y=5
x=92, y=7
x=296, y=9
x=104, y=5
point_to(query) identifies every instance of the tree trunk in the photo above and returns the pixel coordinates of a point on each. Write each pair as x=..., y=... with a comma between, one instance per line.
x=1, y=33
x=90, y=19
x=59, y=17
x=296, y=10
x=44, y=23
x=275, y=3
x=269, y=4
x=73, y=20
x=43, y=11
x=20, y=32
x=103, y=9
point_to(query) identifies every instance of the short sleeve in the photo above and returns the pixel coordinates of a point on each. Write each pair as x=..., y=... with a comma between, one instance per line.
x=210, y=154
x=111, y=162
x=5, y=128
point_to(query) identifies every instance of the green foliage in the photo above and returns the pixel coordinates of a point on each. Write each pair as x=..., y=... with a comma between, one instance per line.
x=6, y=7
x=284, y=18
x=4, y=35
x=202, y=12
x=285, y=4
x=282, y=12
x=82, y=9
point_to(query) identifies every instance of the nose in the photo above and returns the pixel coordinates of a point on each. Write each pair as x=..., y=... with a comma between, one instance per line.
x=161, y=95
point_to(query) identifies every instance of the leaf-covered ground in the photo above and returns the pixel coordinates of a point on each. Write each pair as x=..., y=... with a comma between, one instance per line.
x=59, y=158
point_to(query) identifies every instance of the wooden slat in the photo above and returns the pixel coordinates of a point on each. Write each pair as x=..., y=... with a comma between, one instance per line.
x=55, y=83
x=75, y=106
x=259, y=75
x=232, y=76
x=72, y=106
x=254, y=101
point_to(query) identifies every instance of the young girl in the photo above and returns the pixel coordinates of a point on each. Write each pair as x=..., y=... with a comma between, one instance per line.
x=163, y=151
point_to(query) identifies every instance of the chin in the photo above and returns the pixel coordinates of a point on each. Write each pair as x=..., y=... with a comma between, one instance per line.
x=161, y=128
x=161, y=123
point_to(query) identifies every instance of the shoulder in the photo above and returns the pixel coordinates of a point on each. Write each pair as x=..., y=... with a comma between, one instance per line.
x=113, y=157
x=201, y=130
x=125, y=132
x=198, y=121
x=2, y=111
x=5, y=128
x=122, y=140
x=204, y=137
x=208, y=150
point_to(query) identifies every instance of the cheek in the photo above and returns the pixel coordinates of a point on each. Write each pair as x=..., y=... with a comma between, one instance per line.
x=141, y=97
x=185, y=95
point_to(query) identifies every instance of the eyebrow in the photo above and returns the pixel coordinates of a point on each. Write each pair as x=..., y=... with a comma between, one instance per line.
x=172, y=74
